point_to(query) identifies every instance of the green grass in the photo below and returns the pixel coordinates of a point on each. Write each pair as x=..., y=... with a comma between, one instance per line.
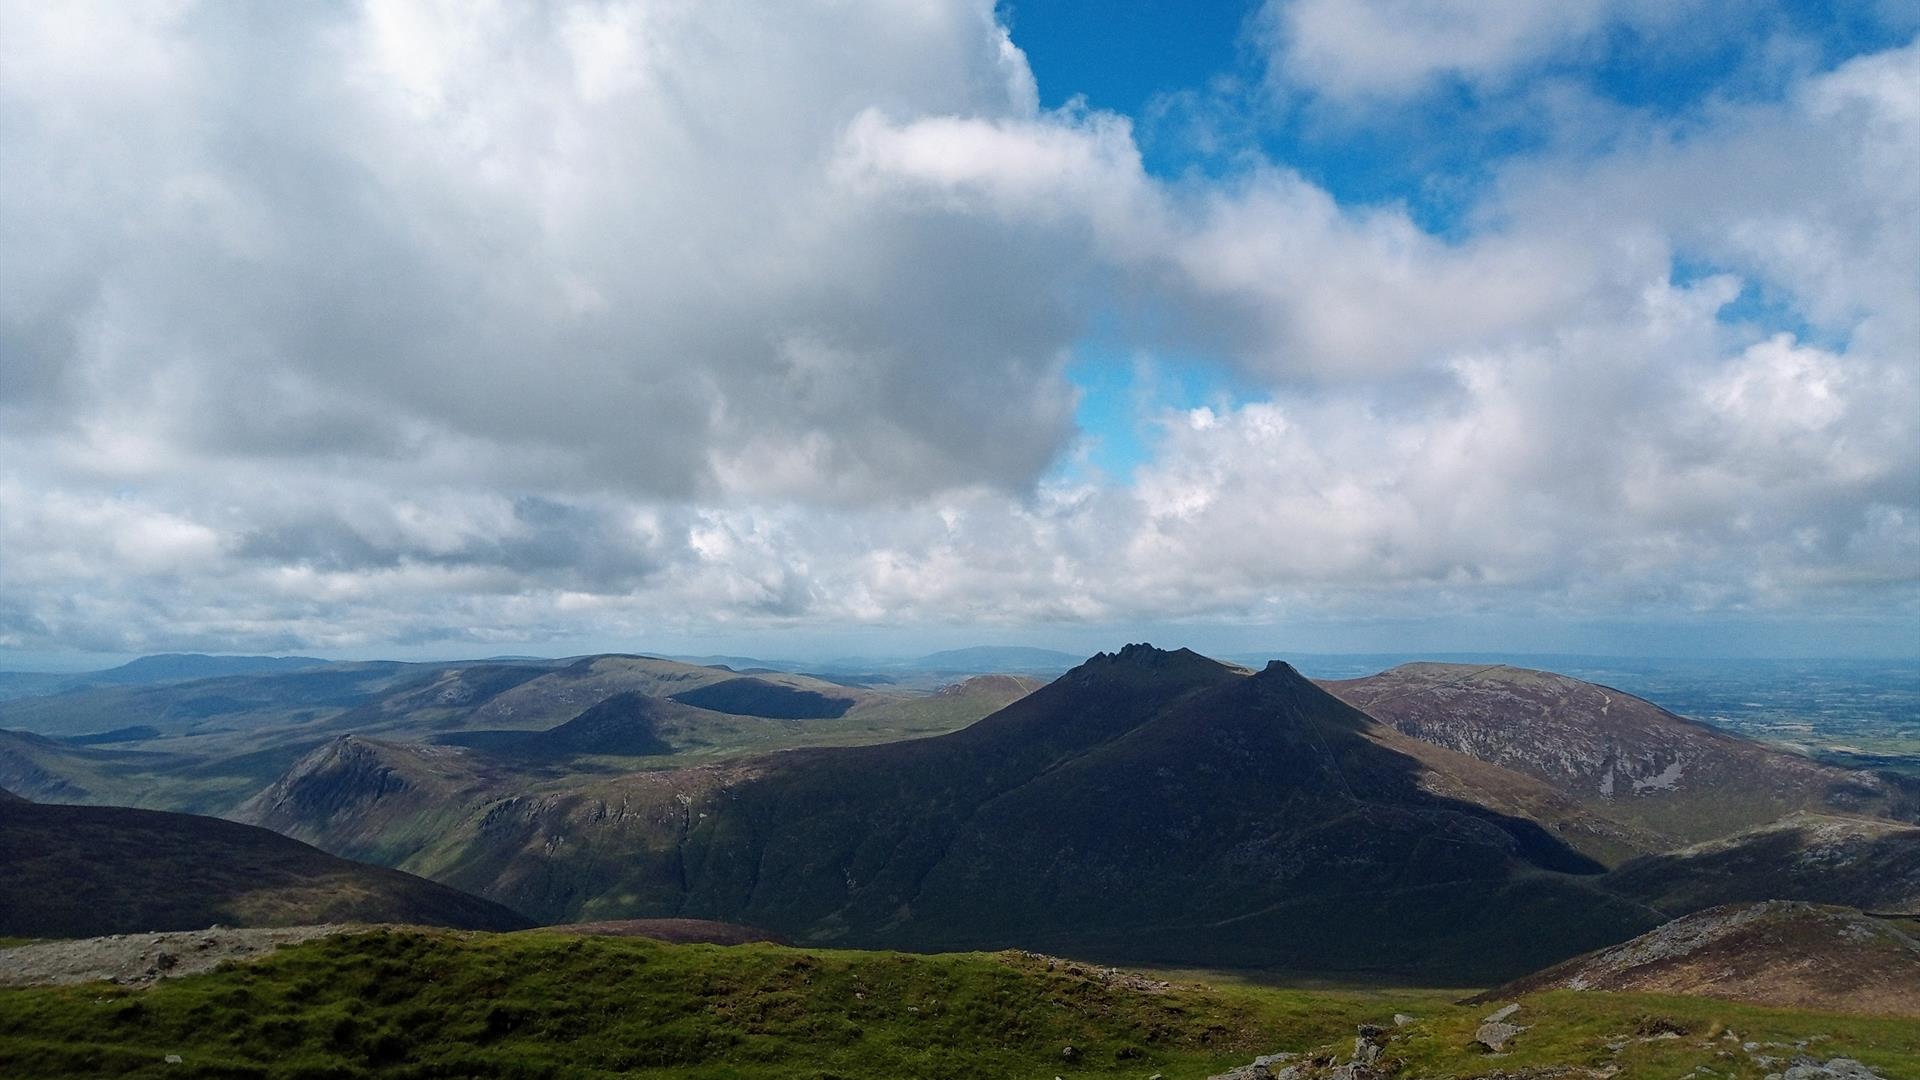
x=544, y=1004
x=1569, y=1028
x=409, y=1003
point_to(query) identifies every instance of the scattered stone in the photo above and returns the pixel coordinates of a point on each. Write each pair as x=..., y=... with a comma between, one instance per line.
x=1368, y=1044
x=1805, y=1068
x=1495, y=1035
x=174, y=1059
x=1402, y=1019
x=1070, y=1053
x=1502, y=1013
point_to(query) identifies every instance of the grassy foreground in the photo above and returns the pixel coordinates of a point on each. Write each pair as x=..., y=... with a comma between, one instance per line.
x=439, y=1004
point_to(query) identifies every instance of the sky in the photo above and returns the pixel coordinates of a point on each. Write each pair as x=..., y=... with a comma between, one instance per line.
x=878, y=326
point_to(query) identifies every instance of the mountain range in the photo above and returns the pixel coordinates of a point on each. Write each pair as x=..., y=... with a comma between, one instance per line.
x=1146, y=806
x=1466, y=822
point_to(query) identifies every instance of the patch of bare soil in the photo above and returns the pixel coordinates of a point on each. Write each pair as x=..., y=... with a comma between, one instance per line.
x=141, y=960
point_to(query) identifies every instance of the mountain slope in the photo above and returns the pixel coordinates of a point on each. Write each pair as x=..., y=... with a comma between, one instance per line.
x=1148, y=804
x=1854, y=862
x=371, y=799
x=1673, y=780
x=1776, y=953
x=70, y=871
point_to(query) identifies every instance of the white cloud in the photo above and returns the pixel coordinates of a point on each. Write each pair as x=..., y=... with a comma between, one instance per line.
x=1373, y=50
x=402, y=323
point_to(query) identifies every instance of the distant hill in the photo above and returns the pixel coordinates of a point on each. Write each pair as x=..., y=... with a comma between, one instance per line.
x=1778, y=953
x=1148, y=805
x=180, y=667
x=207, y=745
x=148, y=671
x=220, y=702
x=627, y=723
x=77, y=871
x=998, y=658
x=750, y=696
x=1675, y=780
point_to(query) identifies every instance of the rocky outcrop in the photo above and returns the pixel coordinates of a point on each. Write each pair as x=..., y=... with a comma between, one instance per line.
x=1776, y=953
x=1618, y=755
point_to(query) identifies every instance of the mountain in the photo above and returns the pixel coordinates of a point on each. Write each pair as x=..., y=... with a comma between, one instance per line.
x=147, y=671
x=207, y=745
x=1674, y=780
x=998, y=658
x=74, y=871
x=374, y=800
x=1001, y=689
x=1778, y=953
x=181, y=667
x=224, y=703
x=749, y=696
x=1850, y=861
x=627, y=724
x=1147, y=805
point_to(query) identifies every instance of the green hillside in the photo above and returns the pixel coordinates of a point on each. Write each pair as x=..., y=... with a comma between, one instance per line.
x=545, y=1004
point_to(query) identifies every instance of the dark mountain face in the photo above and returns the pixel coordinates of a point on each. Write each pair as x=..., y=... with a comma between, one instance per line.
x=1850, y=861
x=758, y=697
x=1148, y=805
x=622, y=724
x=78, y=871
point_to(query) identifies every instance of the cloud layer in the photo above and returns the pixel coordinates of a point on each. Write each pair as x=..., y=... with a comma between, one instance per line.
x=397, y=323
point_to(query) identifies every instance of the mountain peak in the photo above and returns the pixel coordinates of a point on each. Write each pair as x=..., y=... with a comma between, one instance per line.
x=1281, y=671
x=1142, y=654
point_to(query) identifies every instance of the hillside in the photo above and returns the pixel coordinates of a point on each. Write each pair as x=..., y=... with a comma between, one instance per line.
x=68, y=871
x=1775, y=953
x=206, y=746
x=225, y=702
x=547, y=1004
x=1853, y=862
x=148, y=670
x=1673, y=780
x=1149, y=805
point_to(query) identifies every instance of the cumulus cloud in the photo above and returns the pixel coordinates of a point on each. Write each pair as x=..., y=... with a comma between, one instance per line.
x=388, y=323
x=606, y=241
x=1382, y=50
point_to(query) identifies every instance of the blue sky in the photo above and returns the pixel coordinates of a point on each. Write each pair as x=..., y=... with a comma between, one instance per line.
x=1329, y=325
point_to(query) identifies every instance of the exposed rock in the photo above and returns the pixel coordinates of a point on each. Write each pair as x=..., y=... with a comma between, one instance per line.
x=140, y=960
x=1495, y=1035
x=1368, y=1044
x=1502, y=1013
x=1402, y=1019
x=1781, y=953
x=1832, y=1069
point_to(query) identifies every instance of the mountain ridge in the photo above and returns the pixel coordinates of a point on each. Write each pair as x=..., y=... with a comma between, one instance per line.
x=76, y=871
x=1144, y=788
